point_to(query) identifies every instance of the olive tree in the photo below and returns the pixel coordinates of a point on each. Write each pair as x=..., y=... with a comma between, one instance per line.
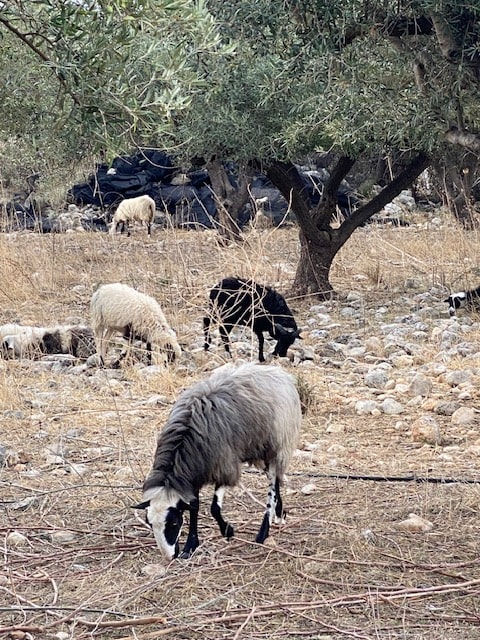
x=263, y=83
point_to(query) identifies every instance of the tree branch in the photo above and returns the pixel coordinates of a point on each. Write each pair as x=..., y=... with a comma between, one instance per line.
x=386, y=195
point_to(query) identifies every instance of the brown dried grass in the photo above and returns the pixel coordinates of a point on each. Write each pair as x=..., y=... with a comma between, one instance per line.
x=338, y=568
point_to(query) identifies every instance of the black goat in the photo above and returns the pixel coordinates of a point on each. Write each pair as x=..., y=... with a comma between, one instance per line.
x=462, y=299
x=234, y=301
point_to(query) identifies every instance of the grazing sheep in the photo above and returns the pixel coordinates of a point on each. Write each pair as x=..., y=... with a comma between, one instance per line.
x=18, y=341
x=249, y=413
x=463, y=299
x=243, y=302
x=118, y=307
x=139, y=209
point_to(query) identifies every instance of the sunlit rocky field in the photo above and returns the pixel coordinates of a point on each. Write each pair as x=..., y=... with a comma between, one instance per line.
x=390, y=385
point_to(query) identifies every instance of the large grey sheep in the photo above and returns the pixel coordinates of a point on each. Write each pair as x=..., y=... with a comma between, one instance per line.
x=139, y=209
x=117, y=307
x=247, y=413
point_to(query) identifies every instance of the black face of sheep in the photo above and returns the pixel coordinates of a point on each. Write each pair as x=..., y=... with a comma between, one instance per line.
x=243, y=302
x=250, y=413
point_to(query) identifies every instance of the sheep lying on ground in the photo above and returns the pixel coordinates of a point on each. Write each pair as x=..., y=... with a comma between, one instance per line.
x=249, y=413
x=119, y=308
x=139, y=209
x=18, y=341
x=243, y=302
x=463, y=299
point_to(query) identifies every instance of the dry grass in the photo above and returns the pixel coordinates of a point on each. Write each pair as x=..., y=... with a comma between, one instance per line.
x=337, y=569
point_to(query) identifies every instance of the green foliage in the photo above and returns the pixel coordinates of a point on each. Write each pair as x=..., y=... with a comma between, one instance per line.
x=246, y=80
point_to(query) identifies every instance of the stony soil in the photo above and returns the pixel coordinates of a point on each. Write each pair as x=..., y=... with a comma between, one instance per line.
x=391, y=388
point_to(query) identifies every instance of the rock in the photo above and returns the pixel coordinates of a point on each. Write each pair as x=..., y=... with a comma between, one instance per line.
x=392, y=407
x=426, y=429
x=420, y=386
x=365, y=406
x=445, y=408
x=463, y=416
x=376, y=378
x=16, y=539
x=26, y=503
x=62, y=537
x=454, y=378
x=308, y=489
x=415, y=524
x=154, y=570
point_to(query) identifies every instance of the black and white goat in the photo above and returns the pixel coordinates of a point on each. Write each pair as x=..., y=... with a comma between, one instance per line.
x=234, y=301
x=248, y=413
x=18, y=341
x=463, y=299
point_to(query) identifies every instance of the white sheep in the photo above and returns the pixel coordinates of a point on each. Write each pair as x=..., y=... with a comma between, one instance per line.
x=117, y=307
x=139, y=209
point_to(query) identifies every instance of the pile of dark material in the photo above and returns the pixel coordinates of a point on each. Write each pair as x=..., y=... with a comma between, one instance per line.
x=182, y=200
x=153, y=173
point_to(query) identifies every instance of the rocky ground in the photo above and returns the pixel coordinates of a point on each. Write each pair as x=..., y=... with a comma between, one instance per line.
x=390, y=384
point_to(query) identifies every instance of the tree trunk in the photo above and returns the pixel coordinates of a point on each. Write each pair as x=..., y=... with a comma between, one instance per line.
x=319, y=242
x=456, y=176
x=313, y=269
x=229, y=200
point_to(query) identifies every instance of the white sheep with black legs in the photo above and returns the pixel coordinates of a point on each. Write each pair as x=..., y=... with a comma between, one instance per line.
x=119, y=308
x=247, y=413
x=463, y=299
x=139, y=209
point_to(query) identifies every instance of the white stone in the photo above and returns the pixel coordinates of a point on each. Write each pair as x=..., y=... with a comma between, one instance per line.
x=363, y=407
x=463, y=416
x=392, y=407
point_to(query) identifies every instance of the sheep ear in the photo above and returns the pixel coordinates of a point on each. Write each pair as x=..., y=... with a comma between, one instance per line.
x=141, y=505
x=280, y=329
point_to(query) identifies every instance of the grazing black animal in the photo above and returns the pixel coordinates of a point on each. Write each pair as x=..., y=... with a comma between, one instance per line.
x=248, y=413
x=463, y=299
x=244, y=302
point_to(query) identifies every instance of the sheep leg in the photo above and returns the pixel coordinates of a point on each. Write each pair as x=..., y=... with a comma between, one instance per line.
x=149, y=228
x=192, y=541
x=261, y=342
x=226, y=528
x=274, y=506
x=206, y=332
x=225, y=335
x=102, y=344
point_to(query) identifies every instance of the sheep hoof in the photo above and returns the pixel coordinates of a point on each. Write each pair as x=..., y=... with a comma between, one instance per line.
x=228, y=531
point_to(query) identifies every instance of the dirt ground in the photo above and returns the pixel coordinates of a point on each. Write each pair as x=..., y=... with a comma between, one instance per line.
x=78, y=562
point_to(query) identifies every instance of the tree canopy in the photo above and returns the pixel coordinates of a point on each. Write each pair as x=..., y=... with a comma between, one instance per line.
x=252, y=79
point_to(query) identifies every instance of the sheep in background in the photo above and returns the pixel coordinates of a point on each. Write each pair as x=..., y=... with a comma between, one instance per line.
x=139, y=209
x=249, y=413
x=119, y=308
x=18, y=341
x=244, y=302
x=463, y=299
